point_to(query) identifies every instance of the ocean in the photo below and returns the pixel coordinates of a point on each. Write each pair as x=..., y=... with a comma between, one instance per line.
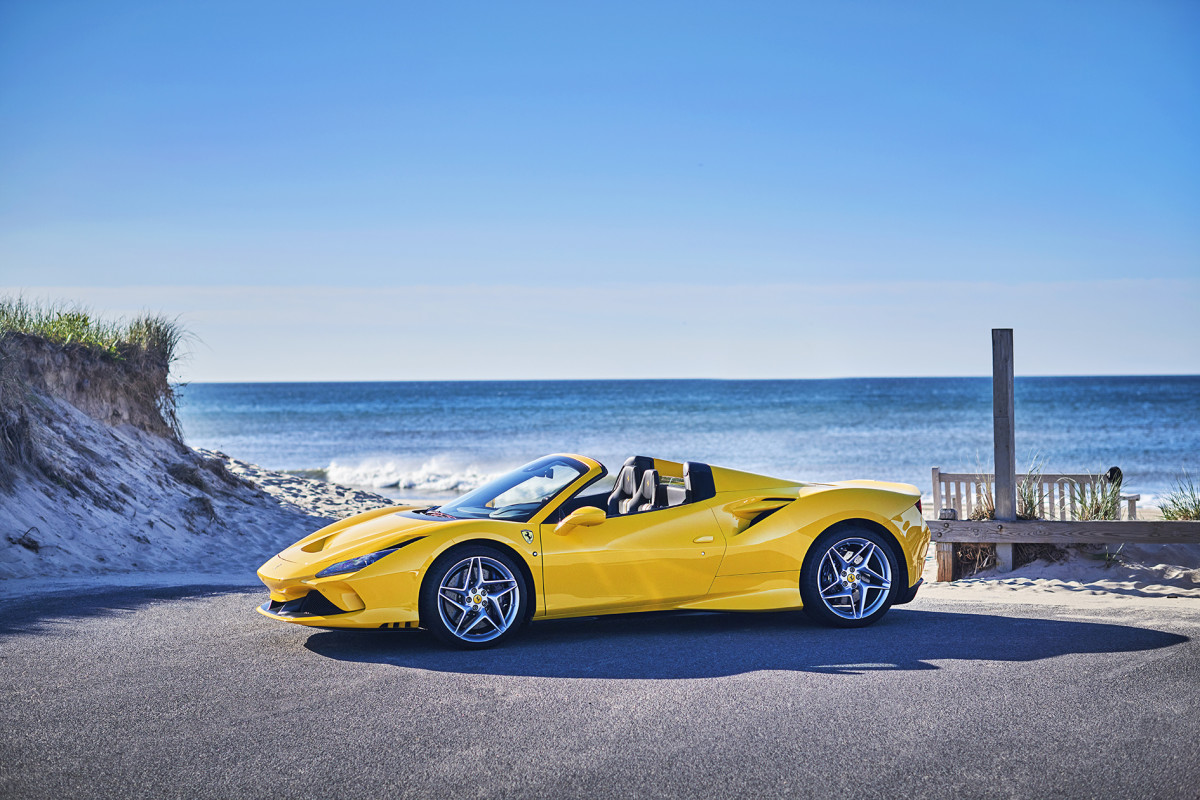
x=431, y=440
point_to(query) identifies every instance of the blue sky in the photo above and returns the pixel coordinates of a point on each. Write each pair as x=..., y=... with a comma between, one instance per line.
x=985, y=154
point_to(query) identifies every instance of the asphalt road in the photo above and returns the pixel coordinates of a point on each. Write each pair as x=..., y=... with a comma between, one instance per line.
x=186, y=692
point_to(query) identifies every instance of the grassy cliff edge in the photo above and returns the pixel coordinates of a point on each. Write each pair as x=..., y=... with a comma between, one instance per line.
x=94, y=474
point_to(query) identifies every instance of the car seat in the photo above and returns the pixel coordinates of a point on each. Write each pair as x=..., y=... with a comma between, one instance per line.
x=652, y=494
x=629, y=481
x=697, y=482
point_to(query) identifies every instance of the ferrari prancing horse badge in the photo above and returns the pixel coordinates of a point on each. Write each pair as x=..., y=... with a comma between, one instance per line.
x=528, y=535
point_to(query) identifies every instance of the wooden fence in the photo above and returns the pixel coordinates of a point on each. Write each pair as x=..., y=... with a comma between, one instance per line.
x=962, y=492
x=945, y=533
x=1056, y=495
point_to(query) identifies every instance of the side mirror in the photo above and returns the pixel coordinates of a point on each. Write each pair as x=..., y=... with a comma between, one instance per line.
x=585, y=517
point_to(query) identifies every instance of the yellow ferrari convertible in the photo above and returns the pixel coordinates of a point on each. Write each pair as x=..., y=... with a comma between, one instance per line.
x=560, y=537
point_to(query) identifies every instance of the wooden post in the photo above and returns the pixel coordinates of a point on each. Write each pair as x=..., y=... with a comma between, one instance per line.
x=1004, y=437
x=937, y=492
x=945, y=562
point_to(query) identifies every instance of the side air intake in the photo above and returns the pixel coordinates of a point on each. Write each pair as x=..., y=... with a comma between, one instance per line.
x=748, y=513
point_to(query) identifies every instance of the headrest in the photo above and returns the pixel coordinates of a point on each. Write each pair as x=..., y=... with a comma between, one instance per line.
x=627, y=480
x=649, y=483
x=698, y=481
x=640, y=464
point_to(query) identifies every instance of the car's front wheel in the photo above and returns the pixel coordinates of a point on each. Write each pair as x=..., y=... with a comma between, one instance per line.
x=474, y=597
x=847, y=578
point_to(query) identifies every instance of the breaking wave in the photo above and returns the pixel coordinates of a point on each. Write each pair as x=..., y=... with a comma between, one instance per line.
x=432, y=477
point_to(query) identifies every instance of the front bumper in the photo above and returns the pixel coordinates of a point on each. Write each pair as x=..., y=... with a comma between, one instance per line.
x=298, y=613
x=387, y=600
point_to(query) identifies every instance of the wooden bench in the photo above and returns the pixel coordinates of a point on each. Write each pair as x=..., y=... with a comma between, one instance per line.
x=1057, y=494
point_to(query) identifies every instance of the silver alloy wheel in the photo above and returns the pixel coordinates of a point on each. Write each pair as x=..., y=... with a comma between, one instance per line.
x=479, y=599
x=854, y=578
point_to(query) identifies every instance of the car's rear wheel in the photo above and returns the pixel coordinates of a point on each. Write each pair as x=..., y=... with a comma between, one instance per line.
x=474, y=597
x=847, y=578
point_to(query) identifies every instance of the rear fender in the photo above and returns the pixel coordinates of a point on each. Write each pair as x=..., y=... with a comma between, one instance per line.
x=780, y=541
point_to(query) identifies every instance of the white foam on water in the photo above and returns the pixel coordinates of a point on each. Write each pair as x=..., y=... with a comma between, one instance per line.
x=440, y=475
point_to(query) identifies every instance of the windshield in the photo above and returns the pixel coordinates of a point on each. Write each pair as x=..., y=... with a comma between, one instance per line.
x=517, y=495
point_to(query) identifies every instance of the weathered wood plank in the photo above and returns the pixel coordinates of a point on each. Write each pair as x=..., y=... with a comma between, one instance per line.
x=945, y=562
x=1004, y=429
x=937, y=491
x=1047, y=531
x=1055, y=476
x=1004, y=557
x=1003, y=424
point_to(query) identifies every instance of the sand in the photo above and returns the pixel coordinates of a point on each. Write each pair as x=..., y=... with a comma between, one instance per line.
x=1164, y=571
x=107, y=499
x=305, y=495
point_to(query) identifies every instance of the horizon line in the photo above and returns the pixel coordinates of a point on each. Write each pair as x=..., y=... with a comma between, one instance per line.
x=680, y=380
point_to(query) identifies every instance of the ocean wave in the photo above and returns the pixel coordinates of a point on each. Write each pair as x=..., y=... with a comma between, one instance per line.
x=436, y=476
x=312, y=474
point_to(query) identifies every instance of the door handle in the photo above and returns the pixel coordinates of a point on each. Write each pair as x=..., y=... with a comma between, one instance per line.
x=702, y=539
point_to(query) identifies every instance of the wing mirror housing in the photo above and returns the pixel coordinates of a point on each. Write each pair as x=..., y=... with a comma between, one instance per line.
x=580, y=517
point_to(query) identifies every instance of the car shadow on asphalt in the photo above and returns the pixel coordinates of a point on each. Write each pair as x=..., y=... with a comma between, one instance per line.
x=706, y=645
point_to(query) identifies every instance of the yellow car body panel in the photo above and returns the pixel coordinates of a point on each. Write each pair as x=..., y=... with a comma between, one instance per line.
x=648, y=560
x=740, y=549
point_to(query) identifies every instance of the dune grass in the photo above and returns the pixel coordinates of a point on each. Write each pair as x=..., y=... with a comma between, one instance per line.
x=1030, y=494
x=973, y=558
x=154, y=338
x=1182, y=502
x=1101, y=501
x=129, y=359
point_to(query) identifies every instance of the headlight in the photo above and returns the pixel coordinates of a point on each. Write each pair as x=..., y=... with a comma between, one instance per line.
x=355, y=564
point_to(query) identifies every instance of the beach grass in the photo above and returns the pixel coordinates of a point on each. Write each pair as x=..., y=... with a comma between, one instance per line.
x=123, y=363
x=1183, y=501
x=1030, y=493
x=1102, y=501
x=974, y=558
x=154, y=338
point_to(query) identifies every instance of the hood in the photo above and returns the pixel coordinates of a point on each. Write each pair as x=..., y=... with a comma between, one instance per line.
x=359, y=535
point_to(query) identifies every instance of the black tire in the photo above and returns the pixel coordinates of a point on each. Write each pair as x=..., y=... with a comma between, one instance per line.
x=474, y=609
x=846, y=583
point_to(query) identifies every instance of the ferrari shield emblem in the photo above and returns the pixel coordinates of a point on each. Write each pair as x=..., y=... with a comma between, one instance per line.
x=528, y=536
